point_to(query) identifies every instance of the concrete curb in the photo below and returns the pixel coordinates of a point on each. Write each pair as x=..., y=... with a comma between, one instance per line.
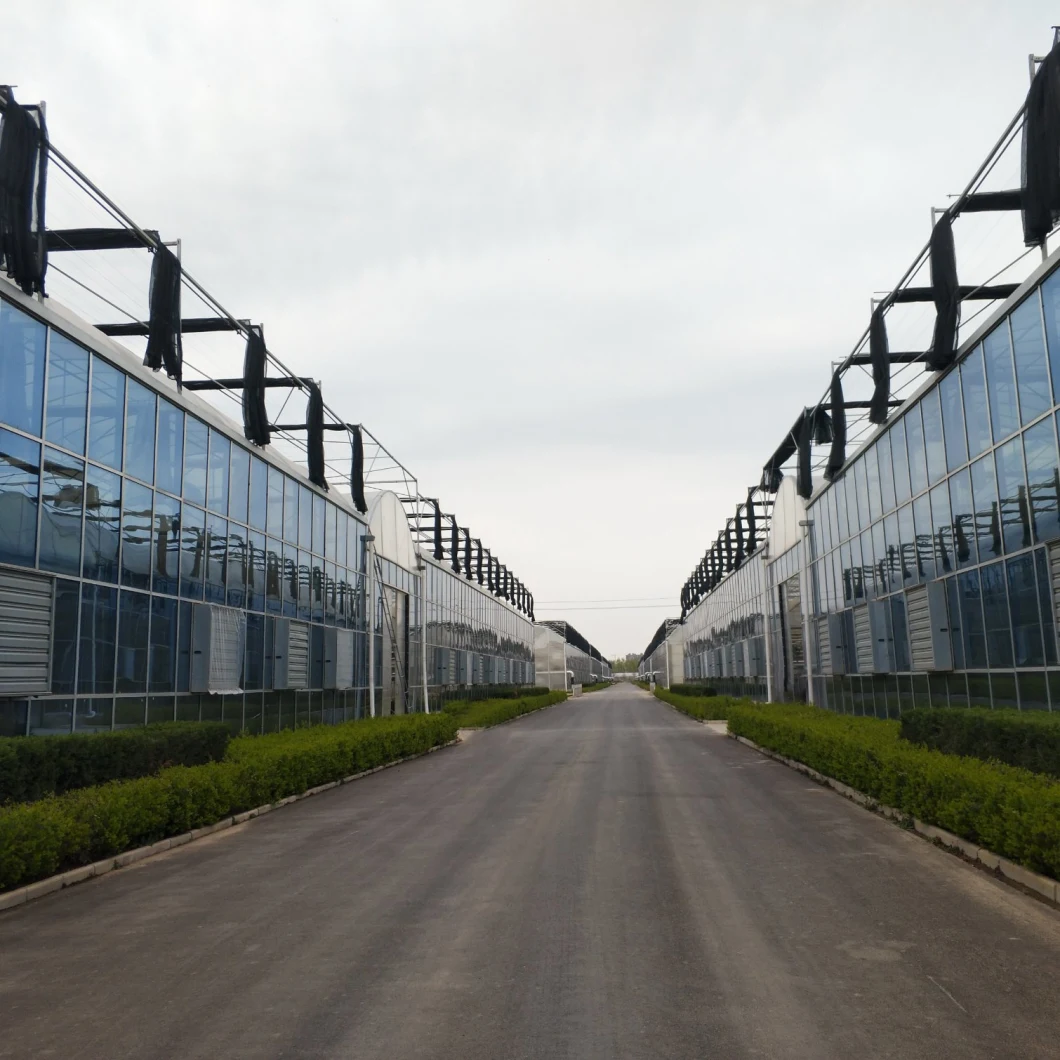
x=1039, y=886
x=22, y=895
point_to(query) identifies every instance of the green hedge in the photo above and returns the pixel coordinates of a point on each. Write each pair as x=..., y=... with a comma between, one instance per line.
x=60, y=832
x=32, y=767
x=477, y=693
x=1027, y=739
x=1009, y=811
x=482, y=714
x=596, y=686
x=699, y=691
x=704, y=708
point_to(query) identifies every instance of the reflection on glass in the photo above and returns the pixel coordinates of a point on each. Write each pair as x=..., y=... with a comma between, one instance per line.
x=19, y=492
x=217, y=486
x=1045, y=604
x=942, y=529
x=259, y=490
x=1023, y=606
x=1051, y=310
x=1012, y=496
x=21, y=369
x=1028, y=345
x=305, y=517
x=216, y=558
x=914, y=434
x=274, y=576
x=290, y=581
x=238, y=559
x=996, y=615
x=933, y=438
x=165, y=577
x=67, y=411
x=987, y=515
x=239, y=484
x=62, y=497
x=925, y=552
x=133, y=623
x=196, y=445
x=900, y=461
x=170, y=460
x=1043, y=479
x=907, y=546
x=136, y=536
x=290, y=511
x=192, y=551
x=861, y=506
x=976, y=414
x=163, y=648
x=256, y=571
x=106, y=426
x=318, y=589
x=953, y=420
x=318, y=524
x=102, y=524
x=963, y=516
x=972, y=620
x=1001, y=382
x=99, y=628
x=140, y=432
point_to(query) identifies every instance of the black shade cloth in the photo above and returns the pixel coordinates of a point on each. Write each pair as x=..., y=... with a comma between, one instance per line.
x=439, y=552
x=314, y=424
x=530, y=605
x=468, y=573
x=738, y=530
x=947, y=295
x=255, y=363
x=728, y=547
x=357, y=473
x=838, y=453
x=1041, y=152
x=23, y=182
x=880, y=358
x=803, y=472
x=454, y=545
x=478, y=560
x=752, y=523
x=164, y=348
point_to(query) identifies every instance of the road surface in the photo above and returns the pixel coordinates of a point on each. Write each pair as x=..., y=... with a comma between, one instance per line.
x=605, y=879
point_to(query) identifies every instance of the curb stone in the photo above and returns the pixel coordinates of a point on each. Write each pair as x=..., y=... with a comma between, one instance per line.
x=1040, y=886
x=60, y=881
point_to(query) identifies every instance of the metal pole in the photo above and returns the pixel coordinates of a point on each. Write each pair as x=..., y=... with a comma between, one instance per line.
x=369, y=542
x=423, y=627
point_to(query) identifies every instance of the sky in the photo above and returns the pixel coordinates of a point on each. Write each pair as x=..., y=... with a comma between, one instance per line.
x=578, y=265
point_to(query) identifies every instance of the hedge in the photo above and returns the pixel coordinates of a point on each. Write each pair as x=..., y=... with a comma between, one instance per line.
x=33, y=767
x=596, y=686
x=1010, y=811
x=60, y=832
x=482, y=714
x=704, y=708
x=1027, y=739
x=699, y=691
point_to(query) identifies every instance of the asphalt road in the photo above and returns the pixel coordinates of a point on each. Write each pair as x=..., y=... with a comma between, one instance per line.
x=605, y=879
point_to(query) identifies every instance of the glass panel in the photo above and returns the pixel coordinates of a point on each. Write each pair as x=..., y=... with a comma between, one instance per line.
x=170, y=447
x=106, y=426
x=220, y=458
x=239, y=484
x=856, y=580
x=892, y=562
x=136, y=535
x=275, y=505
x=1045, y=604
x=195, y=446
x=305, y=565
x=914, y=433
x=1043, y=477
x=163, y=644
x=216, y=557
x=987, y=519
x=996, y=616
x=340, y=539
x=886, y=472
x=165, y=577
x=868, y=565
x=1012, y=496
x=290, y=511
x=19, y=493
x=330, y=593
x=318, y=589
x=192, y=546
x=184, y=652
x=942, y=529
x=259, y=475
x=907, y=545
x=1001, y=382
x=839, y=489
x=933, y=438
x=254, y=660
x=953, y=420
x=102, y=524
x=1051, y=306
x=925, y=552
x=256, y=571
x=21, y=369
x=273, y=576
x=67, y=411
x=953, y=607
x=62, y=497
x=290, y=581
x=976, y=415
x=318, y=524
x=856, y=476
x=94, y=715
x=305, y=517
x=1028, y=344
x=1023, y=606
x=140, y=432
x=330, y=545
x=1034, y=695
x=64, y=636
x=900, y=461
x=133, y=618
x=236, y=575
x=972, y=620
x=99, y=626
x=963, y=517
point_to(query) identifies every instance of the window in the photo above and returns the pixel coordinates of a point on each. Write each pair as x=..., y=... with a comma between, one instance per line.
x=976, y=413
x=963, y=516
x=237, y=565
x=953, y=420
x=102, y=524
x=914, y=434
x=19, y=493
x=868, y=565
x=99, y=627
x=163, y=658
x=254, y=659
x=330, y=545
x=925, y=552
x=67, y=411
x=318, y=524
x=907, y=546
x=62, y=495
x=256, y=571
x=259, y=491
x=987, y=517
x=140, y=432
x=195, y=461
x=290, y=581
x=239, y=484
x=1028, y=345
x=933, y=438
x=1023, y=607
x=64, y=637
x=170, y=447
x=305, y=517
x=942, y=529
x=1012, y=496
x=165, y=574
x=900, y=461
x=220, y=458
x=996, y=616
x=106, y=416
x=136, y=536
x=22, y=342
x=971, y=598
x=133, y=620
x=1043, y=480
x=1045, y=604
x=342, y=524
x=856, y=477
x=1001, y=383
x=192, y=549
x=1051, y=306
x=290, y=511
x=839, y=489
x=318, y=589
x=273, y=576
x=305, y=567
x=216, y=557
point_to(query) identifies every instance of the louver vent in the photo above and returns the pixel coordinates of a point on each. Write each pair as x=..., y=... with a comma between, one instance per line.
x=291, y=655
x=929, y=634
x=1054, y=568
x=824, y=645
x=25, y=633
x=863, y=639
x=218, y=640
x=832, y=644
x=338, y=658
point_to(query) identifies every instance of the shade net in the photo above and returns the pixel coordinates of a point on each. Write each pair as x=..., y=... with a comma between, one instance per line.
x=23, y=181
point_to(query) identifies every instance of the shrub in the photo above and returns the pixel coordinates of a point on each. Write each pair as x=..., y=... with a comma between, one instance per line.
x=1009, y=811
x=32, y=767
x=1018, y=738
x=60, y=832
x=704, y=708
x=596, y=686
x=699, y=691
x=482, y=714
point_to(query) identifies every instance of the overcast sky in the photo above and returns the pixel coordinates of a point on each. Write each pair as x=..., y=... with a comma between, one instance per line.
x=578, y=265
